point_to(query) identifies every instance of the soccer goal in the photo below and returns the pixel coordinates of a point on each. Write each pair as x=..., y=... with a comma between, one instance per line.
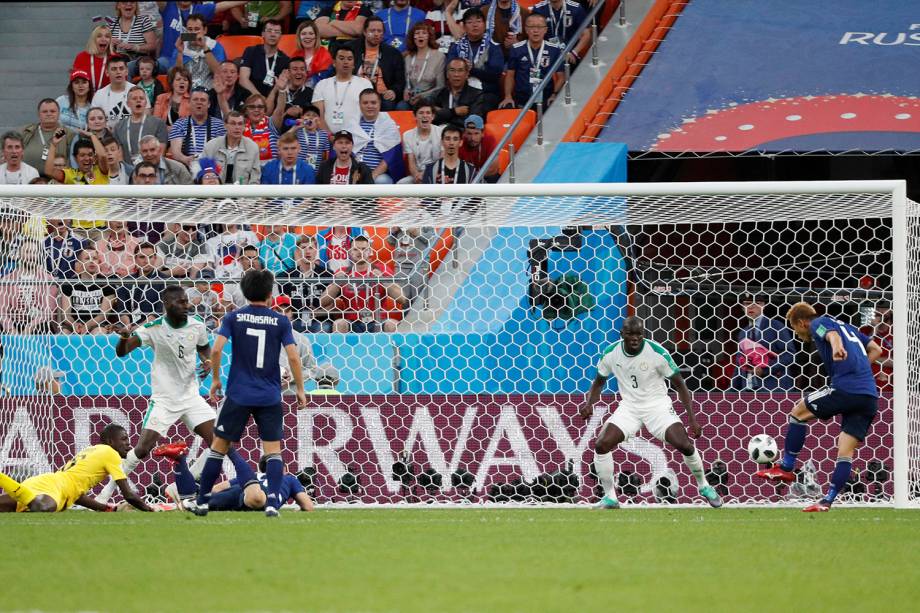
x=455, y=331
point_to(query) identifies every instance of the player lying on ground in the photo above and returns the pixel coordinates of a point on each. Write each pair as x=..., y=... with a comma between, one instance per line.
x=258, y=335
x=176, y=339
x=246, y=492
x=847, y=355
x=641, y=368
x=57, y=491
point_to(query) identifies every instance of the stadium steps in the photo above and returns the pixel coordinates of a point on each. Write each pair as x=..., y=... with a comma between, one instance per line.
x=611, y=41
x=38, y=41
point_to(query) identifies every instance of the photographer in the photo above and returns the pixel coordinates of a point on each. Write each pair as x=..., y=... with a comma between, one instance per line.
x=198, y=53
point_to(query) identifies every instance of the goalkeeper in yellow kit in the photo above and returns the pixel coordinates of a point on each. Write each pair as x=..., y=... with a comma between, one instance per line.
x=52, y=492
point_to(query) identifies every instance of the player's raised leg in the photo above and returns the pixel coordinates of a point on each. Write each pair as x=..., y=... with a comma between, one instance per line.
x=676, y=436
x=796, y=432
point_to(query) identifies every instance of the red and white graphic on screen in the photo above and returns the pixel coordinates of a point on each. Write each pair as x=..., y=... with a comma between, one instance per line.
x=744, y=127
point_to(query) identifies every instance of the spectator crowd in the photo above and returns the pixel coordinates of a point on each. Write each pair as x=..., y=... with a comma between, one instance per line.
x=335, y=92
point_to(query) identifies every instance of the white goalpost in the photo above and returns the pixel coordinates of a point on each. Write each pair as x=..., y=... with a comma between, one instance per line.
x=454, y=351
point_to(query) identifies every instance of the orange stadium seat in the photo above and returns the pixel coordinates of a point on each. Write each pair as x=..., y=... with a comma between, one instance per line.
x=504, y=160
x=504, y=118
x=235, y=45
x=404, y=119
x=440, y=250
x=288, y=44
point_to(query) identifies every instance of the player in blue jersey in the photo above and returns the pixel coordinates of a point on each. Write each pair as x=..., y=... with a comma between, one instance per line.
x=246, y=492
x=847, y=355
x=258, y=335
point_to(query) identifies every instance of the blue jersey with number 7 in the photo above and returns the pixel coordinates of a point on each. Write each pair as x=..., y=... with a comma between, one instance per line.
x=258, y=335
x=854, y=374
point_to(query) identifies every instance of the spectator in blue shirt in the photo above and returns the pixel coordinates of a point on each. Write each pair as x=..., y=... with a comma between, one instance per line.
x=528, y=64
x=397, y=21
x=562, y=19
x=287, y=169
x=61, y=248
x=175, y=16
x=484, y=57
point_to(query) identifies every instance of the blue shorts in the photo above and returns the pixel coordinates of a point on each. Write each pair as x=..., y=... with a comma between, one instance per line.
x=857, y=411
x=230, y=499
x=233, y=418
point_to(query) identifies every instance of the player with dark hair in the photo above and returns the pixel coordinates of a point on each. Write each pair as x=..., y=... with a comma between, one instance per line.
x=57, y=491
x=254, y=385
x=848, y=355
x=175, y=338
x=246, y=492
x=641, y=367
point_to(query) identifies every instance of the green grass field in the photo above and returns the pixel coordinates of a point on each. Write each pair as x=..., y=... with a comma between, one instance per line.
x=463, y=560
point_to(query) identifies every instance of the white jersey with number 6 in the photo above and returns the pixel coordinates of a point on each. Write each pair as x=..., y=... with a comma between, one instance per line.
x=641, y=377
x=175, y=356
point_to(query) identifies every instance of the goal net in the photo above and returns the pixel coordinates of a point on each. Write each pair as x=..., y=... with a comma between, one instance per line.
x=452, y=334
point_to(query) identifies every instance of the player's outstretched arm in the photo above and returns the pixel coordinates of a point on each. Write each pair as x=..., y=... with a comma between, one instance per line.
x=90, y=503
x=128, y=341
x=594, y=394
x=131, y=496
x=686, y=399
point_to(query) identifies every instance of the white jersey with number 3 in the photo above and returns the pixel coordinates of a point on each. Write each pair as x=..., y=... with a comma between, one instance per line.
x=641, y=378
x=175, y=356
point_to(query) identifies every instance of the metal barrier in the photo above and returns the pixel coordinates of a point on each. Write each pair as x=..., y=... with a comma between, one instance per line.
x=536, y=98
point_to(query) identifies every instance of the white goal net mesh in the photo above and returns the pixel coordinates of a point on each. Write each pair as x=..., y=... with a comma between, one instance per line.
x=464, y=328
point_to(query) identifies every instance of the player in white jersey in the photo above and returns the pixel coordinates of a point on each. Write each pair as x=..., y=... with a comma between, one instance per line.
x=176, y=340
x=642, y=368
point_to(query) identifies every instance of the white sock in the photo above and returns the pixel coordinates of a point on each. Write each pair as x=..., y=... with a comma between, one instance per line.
x=198, y=465
x=128, y=465
x=695, y=464
x=603, y=465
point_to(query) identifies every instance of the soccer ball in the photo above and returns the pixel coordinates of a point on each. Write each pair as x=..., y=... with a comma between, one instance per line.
x=763, y=449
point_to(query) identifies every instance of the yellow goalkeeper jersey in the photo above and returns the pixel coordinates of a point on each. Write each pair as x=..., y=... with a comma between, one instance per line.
x=80, y=475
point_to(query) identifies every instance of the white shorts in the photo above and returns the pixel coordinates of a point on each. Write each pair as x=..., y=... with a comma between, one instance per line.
x=163, y=413
x=656, y=419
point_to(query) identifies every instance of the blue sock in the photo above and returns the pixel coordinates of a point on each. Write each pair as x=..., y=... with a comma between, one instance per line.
x=274, y=470
x=185, y=482
x=244, y=472
x=795, y=440
x=209, y=475
x=839, y=478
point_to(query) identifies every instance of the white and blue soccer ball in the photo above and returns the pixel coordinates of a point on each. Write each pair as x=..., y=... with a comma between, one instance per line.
x=763, y=449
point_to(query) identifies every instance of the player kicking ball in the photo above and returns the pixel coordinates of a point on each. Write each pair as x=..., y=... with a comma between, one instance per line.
x=246, y=492
x=642, y=368
x=176, y=340
x=847, y=355
x=253, y=386
x=54, y=492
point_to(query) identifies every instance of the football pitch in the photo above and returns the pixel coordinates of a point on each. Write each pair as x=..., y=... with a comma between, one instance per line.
x=463, y=560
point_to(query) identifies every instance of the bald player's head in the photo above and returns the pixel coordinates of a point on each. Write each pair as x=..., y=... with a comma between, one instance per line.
x=633, y=325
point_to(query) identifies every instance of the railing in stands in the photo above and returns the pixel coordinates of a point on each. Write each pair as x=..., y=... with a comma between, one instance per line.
x=536, y=98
